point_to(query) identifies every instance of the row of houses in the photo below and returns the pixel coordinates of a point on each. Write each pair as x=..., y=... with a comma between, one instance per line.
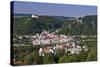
x=50, y=38
x=66, y=43
x=69, y=49
x=51, y=42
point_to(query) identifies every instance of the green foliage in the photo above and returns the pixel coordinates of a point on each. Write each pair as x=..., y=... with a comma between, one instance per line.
x=59, y=53
x=33, y=58
x=68, y=58
x=82, y=56
x=64, y=59
x=27, y=25
x=48, y=59
x=92, y=56
x=73, y=58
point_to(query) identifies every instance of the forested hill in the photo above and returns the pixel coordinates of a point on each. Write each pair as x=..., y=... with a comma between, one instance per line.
x=25, y=24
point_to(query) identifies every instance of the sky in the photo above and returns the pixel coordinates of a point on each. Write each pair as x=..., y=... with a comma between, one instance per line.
x=54, y=9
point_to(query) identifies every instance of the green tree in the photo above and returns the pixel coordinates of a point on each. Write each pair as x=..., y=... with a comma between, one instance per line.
x=48, y=59
x=82, y=56
x=33, y=58
x=92, y=56
x=64, y=59
x=59, y=53
x=73, y=58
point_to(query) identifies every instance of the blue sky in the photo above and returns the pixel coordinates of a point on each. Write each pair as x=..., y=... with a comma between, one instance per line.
x=54, y=9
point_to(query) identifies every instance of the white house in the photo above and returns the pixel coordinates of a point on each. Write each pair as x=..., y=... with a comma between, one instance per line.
x=34, y=16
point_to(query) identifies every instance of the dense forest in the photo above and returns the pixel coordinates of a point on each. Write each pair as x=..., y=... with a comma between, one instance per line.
x=26, y=25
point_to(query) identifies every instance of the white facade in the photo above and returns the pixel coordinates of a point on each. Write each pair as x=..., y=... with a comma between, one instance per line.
x=34, y=16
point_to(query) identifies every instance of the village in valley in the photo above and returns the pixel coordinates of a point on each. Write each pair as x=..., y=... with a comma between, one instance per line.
x=51, y=42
